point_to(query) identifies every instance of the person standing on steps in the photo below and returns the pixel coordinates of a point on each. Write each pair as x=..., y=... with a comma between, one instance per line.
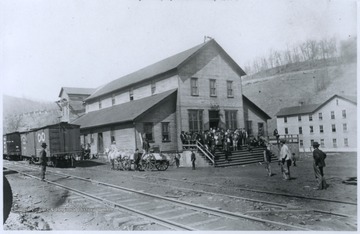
x=43, y=161
x=193, y=158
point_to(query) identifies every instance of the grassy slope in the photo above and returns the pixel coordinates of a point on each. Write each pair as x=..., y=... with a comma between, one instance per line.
x=285, y=90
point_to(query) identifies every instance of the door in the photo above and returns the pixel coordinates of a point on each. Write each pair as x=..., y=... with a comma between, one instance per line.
x=100, y=143
x=260, y=129
x=214, y=118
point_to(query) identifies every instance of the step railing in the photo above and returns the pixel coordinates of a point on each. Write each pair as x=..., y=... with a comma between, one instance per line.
x=206, y=152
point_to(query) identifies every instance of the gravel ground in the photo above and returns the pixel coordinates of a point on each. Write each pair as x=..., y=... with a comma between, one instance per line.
x=41, y=206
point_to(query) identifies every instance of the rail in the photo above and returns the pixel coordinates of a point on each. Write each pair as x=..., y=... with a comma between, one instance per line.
x=206, y=152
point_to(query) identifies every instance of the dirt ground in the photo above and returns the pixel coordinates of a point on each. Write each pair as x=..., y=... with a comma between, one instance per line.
x=40, y=206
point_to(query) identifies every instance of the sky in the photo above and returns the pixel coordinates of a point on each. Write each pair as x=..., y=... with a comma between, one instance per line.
x=46, y=45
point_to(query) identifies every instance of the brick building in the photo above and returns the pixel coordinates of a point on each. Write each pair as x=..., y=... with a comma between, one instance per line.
x=192, y=91
x=331, y=123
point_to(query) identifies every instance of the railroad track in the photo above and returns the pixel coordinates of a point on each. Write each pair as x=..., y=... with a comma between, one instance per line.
x=169, y=212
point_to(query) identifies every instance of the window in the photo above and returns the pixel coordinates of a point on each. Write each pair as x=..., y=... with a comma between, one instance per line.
x=322, y=143
x=311, y=129
x=285, y=119
x=231, y=119
x=300, y=130
x=286, y=131
x=299, y=118
x=311, y=142
x=334, y=143
x=337, y=102
x=113, y=99
x=165, y=131
x=344, y=127
x=212, y=88
x=333, y=128
x=194, y=87
x=321, y=129
x=310, y=117
x=344, y=114
x=249, y=127
x=195, y=120
x=346, y=142
x=153, y=87
x=320, y=116
x=229, y=89
x=112, y=134
x=301, y=143
x=100, y=104
x=332, y=115
x=131, y=94
x=148, y=130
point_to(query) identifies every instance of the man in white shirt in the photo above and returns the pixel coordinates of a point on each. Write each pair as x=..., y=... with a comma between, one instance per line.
x=285, y=159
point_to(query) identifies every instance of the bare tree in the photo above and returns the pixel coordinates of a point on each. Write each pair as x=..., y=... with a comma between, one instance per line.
x=13, y=123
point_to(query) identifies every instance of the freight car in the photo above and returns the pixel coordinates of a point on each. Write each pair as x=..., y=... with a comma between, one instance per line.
x=28, y=147
x=12, y=146
x=63, y=143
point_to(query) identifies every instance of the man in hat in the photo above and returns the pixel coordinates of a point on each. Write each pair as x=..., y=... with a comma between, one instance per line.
x=43, y=161
x=285, y=159
x=319, y=164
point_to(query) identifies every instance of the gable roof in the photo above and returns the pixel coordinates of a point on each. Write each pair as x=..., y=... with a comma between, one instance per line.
x=73, y=90
x=311, y=108
x=121, y=113
x=161, y=67
x=247, y=100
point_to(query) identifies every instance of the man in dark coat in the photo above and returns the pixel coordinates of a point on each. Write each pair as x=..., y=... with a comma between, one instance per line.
x=136, y=160
x=193, y=158
x=43, y=161
x=319, y=164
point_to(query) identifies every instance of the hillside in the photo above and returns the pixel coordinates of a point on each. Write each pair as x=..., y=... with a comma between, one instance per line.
x=20, y=113
x=308, y=86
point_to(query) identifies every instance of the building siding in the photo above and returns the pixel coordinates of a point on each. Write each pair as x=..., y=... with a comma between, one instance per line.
x=336, y=105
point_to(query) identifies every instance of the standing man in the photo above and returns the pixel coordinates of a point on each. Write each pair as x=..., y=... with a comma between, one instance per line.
x=285, y=159
x=267, y=158
x=43, y=161
x=136, y=160
x=319, y=164
x=177, y=159
x=193, y=158
x=276, y=134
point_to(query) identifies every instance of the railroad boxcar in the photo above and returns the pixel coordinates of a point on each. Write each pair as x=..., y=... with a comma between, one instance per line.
x=63, y=143
x=12, y=146
x=28, y=146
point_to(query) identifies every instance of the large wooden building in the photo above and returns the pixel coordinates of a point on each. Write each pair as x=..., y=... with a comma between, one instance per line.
x=192, y=91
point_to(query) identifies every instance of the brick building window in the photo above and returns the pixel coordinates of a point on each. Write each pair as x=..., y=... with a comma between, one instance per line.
x=194, y=87
x=321, y=129
x=286, y=131
x=231, y=119
x=195, y=120
x=285, y=119
x=322, y=143
x=165, y=131
x=346, y=142
x=229, y=85
x=153, y=87
x=311, y=129
x=344, y=114
x=334, y=143
x=113, y=99
x=333, y=127
x=310, y=118
x=300, y=130
x=320, y=116
x=148, y=131
x=311, y=142
x=345, y=127
x=332, y=114
x=301, y=143
x=299, y=118
x=100, y=104
x=212, y=88
x=131, y=94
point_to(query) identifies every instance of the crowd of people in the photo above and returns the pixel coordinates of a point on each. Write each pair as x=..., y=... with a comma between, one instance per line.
x=226, y=140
